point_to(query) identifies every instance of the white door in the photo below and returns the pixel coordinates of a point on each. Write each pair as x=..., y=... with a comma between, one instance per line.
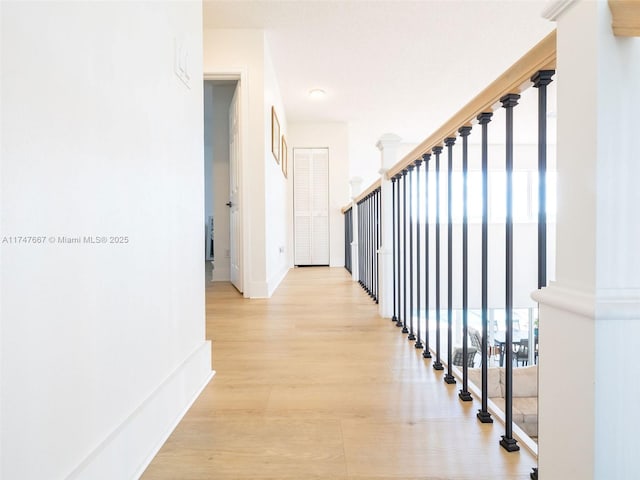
x=311, y=206
x=235, y=226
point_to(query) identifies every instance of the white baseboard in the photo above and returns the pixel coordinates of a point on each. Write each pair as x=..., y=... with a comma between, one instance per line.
x=276, y=280
x=266, y=289
x=128, y=450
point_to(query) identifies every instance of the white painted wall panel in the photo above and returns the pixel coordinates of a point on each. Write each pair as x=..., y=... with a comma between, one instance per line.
x=102, y=345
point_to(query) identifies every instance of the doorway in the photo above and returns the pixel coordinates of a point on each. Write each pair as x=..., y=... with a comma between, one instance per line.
x=222, y=185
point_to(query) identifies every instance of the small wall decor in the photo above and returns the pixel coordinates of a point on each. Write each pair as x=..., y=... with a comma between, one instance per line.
x=284, y=153
x=275, y=135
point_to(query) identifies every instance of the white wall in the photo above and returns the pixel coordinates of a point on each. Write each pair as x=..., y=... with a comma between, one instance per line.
x=276, y=185
x=245, y=52
x=103, y=346
x=335, y=137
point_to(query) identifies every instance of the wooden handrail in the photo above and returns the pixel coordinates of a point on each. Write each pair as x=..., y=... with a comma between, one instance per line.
x=346, y=208
x=516, y=79
x=371, y=188
x=625, y=17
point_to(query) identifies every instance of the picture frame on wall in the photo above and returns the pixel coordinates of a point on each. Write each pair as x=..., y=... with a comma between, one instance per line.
x=284, y=153
x=275, y=135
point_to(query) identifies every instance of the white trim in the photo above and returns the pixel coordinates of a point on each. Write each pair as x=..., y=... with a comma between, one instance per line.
x=356, y=188
x=555, y=8
x=149, y=425
x=275, y=280
x=607, y=304
x=388, y=140
x=170, y=430
x=567, y=299
x=618, y=304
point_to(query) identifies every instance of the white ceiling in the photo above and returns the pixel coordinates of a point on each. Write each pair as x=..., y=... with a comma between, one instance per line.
x=388, y=66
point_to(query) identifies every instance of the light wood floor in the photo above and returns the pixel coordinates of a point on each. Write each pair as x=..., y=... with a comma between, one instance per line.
x=313, y=384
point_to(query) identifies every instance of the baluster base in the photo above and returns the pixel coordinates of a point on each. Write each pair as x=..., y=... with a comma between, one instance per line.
x=399, y=323
x=419, y=345
x=426, y=353
x=534, y=474
x=437, y=365
x=509, y=444
x=411, y=336
x=465, y=396
x=450, y=379
x=484, y=416
x=394, y=319
x=405, y=329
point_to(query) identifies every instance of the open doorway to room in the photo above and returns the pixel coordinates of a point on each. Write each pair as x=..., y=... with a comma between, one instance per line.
x=221, y=159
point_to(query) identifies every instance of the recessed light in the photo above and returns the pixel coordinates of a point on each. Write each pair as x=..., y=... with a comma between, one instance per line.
x=317, y=93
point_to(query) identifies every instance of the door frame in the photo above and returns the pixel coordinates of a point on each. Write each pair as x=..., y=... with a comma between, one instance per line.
x=240, y=75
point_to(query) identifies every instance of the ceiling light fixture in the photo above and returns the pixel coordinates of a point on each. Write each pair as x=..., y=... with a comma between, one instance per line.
x=317, y=93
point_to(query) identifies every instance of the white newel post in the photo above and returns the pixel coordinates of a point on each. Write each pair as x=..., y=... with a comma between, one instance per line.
x=590, y=317
x=356, y=188
x=388, y=146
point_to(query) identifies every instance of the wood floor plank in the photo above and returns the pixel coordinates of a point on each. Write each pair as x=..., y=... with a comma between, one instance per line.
x=313, y=384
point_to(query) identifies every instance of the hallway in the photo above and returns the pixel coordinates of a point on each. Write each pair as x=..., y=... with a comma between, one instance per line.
x=313, y=384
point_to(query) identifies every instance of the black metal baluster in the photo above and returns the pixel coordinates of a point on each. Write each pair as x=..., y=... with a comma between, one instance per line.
x=349, y=239
x=375, y=245
x=427, y=351
x=376, y=277
x=378, y=238
x=369, y=246
x=359, y=221
x=349, y=248
x=379, y=219
x=464, y=392
x=437, y=365
x=397, y=232
x=346, y=237
x=418, y=343
x=361, y=237
x=483, y=414
x=449, y=378
x=540, y=81
x=508, y=442
x=411, y=335
x=393, y=232
x=363, y=243
x=366, y=244
x=404, y=241
x=372, y=242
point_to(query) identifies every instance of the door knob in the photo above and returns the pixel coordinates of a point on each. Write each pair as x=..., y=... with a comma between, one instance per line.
x=229, y=204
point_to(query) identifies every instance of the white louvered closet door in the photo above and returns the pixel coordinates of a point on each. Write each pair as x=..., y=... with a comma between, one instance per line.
x=311, y=206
